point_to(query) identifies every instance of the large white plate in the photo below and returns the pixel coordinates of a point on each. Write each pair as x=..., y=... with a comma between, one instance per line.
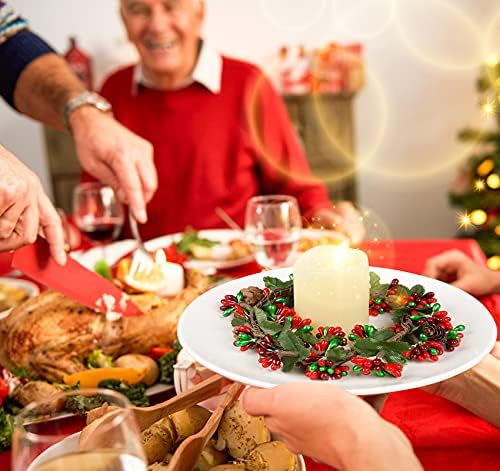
x=70, y=445
x=30, y=288
x=207, y=337
x=115, y=251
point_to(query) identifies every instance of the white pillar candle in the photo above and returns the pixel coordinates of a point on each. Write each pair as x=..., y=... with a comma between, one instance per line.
x=332, y=286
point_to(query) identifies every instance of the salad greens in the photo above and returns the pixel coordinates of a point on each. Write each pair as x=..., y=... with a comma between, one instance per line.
x=102, y=268
x=191, y=237
x=5, y=429
x=97, y=359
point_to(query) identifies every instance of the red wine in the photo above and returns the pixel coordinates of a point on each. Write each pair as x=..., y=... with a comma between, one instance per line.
x=102, y=231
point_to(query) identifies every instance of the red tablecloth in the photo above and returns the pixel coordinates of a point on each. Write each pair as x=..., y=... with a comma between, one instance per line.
x=445, y=436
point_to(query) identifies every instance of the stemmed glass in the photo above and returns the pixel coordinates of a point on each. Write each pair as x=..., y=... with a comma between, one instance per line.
x=273, y=224
x=97, y=212
x=45, y=438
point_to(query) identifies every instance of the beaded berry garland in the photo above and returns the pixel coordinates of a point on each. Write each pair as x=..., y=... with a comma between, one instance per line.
x=264, y=320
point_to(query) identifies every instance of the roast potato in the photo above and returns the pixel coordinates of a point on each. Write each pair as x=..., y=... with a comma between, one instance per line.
x=140, y=362
x=210, y=457
x=272, y=456
x=35, y=391
x=158, y=440
x=242, y=432
x=189, y=421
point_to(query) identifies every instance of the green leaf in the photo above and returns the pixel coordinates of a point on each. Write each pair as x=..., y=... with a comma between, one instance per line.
x=337, y=354
x=299, y=347
x=269, y=327
x=288, y=323
x=260, y=315
x=275, y=283
x=366, y=347
x=381, y=335
x=374, y=280
x=419, y=289
x=238, y=321
x=288, y=363
x=102, y=268
x=290, y=342
x=394, y=357
x=20, y=372
x=286, y=341
x=6, y=427
x=398, y=347
x=190, y=238
x=307, y=337
x=398, y=313
x=135, y=393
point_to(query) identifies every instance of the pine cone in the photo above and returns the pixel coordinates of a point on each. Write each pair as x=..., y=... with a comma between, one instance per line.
x=434, y=332
x=252, y=295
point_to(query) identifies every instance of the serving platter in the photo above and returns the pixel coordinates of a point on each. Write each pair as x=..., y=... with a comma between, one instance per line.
x=207, y=336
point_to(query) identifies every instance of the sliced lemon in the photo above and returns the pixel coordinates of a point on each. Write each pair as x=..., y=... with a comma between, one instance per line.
x=147, y=282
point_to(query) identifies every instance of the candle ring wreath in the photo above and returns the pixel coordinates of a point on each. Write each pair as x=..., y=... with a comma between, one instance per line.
x=264, y=320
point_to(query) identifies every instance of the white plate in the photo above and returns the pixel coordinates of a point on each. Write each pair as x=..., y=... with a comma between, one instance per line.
x=207, y=337
x=27, y=286
x=70, y=445
x=115, y=251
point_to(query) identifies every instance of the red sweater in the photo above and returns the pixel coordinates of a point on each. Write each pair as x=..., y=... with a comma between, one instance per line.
x=215, y=149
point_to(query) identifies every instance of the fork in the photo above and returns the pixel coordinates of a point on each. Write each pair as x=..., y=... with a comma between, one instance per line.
x=188, y=452
x=142, y=261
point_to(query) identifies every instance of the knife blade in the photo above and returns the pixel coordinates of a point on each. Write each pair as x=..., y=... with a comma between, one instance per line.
x=73, y=280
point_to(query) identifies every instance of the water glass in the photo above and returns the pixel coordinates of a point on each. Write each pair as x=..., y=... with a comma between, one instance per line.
x=273, y=224
x=46, y=437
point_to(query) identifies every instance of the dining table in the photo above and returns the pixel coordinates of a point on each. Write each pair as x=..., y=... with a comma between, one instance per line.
x=445, y=436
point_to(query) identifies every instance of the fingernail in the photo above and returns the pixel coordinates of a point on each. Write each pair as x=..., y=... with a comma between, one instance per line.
x=61, y=258
x=142, y=216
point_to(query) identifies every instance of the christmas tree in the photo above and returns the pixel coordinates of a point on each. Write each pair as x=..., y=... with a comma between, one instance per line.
x=478, y=188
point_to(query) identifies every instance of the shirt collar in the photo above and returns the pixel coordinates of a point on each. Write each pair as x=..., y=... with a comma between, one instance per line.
x=207, y=71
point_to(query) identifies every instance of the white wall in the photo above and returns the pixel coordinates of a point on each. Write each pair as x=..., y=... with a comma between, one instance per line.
x=422, y=58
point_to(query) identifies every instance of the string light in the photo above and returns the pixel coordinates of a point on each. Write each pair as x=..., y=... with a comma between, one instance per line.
x=485, y=167
x=493, y=181
x=488, y=108
x=464, y=221
x=497, y=230
x=479, y=185
x=478, y=217
x=491, y=60
x=494, y=262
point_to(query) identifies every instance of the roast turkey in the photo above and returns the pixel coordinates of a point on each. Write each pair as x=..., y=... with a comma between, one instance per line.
x=50, y=335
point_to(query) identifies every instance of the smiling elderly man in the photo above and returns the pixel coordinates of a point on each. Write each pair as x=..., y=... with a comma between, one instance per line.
x=220, y=132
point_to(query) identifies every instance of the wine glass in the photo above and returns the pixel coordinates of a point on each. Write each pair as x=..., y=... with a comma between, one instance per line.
x=273, y=224
x=97, y=212
x=45, y=436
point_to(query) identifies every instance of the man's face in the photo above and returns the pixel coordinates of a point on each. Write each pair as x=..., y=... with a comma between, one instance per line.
x=165, y=33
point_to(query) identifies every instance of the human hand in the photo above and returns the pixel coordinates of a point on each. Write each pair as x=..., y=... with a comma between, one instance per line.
x=25, y=209
x=454, y=267
x=345, y=218
x=116, y=157
x=330, y=426
x=476, y=389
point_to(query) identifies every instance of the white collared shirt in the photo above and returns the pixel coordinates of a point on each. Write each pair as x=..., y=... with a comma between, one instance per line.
x=207, y=71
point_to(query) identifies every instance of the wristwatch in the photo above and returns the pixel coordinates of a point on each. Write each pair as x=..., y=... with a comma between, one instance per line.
x=83, y=99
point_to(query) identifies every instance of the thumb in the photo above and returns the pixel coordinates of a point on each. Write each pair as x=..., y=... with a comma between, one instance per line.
x=257, y=401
